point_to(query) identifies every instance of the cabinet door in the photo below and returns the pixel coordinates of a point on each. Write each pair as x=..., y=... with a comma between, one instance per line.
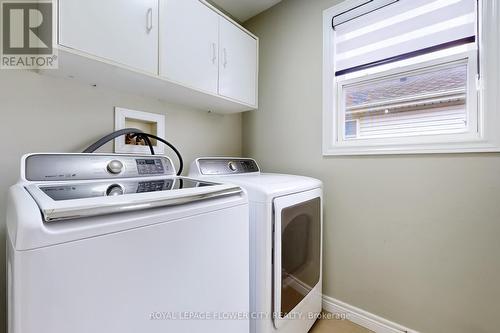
x=189, y=44
x=238, y=63
x=125, y=32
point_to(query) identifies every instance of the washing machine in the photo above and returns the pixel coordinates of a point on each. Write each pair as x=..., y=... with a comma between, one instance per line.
x=285, y=242
x=119, y=244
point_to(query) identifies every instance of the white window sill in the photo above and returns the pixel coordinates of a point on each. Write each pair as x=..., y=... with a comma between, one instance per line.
x=443, y=148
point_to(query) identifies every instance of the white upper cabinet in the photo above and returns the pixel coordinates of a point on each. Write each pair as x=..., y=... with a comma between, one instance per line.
x=125, y=32
x=238, y=63
x=189, y=44
x=182, y=51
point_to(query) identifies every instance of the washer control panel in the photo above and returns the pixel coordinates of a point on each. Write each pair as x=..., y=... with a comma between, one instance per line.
x=61, y=167
x=221, y=166
x=149, y=166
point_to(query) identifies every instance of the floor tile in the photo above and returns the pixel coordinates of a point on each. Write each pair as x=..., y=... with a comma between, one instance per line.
x=332, y=325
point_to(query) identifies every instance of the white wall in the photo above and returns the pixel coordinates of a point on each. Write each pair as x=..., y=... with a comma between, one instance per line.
x=43, y=114
x=414, y=239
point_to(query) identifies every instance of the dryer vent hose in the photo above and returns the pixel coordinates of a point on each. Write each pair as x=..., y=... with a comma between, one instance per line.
x=134, y=132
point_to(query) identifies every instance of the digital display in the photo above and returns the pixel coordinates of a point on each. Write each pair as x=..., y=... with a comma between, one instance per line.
x=150, y=166
x=153, y=186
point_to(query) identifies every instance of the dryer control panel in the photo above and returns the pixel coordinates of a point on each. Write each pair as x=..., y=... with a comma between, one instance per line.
x=229, y=166
x=61, y=167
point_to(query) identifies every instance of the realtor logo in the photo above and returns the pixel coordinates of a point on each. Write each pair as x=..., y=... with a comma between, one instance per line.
x=27, y=35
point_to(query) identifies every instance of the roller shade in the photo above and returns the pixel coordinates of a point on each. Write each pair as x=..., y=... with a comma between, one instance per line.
x=387, y=31
x=360, y=10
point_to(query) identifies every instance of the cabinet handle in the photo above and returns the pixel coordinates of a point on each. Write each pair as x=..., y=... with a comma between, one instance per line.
x=149, y=20
x=224, y=53
x=214, y=53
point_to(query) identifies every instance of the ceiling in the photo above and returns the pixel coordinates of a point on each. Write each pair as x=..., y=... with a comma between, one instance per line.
x=242, y=10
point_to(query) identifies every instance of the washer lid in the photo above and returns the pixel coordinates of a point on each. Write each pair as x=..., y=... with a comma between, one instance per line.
x=263, y=187
x=69, y=200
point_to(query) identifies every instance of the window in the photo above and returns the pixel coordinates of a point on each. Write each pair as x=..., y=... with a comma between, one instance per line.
x=351, y=128
x=411, y=76
x=433, y=101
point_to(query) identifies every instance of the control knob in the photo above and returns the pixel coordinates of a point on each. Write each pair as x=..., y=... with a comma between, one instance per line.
x=233, y=166
x=114, y=190
x=115, y=167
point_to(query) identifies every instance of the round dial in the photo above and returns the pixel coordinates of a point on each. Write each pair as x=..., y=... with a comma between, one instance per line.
x=114, y=190
x=233, y=166
x=115, y=167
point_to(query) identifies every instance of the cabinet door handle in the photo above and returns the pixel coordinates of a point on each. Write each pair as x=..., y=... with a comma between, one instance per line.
x=224, y=54
x=149, y=20
x=214, y=53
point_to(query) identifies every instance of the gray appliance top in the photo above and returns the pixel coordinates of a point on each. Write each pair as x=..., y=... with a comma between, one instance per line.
x=64, y=167
x=69, y=186
x=226, y=166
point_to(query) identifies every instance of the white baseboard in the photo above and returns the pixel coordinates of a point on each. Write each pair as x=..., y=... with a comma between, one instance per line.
x=363, y=318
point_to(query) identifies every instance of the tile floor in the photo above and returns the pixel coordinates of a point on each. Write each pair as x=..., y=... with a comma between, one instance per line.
x=337, y=326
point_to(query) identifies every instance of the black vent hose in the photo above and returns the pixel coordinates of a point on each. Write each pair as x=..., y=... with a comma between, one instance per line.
x=138, y=133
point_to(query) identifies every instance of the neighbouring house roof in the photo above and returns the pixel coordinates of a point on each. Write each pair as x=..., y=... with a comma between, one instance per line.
x=448, y=84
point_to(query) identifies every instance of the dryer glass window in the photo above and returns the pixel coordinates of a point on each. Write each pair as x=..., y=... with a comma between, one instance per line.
x=300, y=252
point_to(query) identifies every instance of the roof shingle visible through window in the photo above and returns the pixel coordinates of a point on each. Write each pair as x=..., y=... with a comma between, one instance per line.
x=444, y=80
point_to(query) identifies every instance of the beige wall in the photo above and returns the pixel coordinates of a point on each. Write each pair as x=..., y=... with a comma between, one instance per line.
x=43, y=114
x=414, y=239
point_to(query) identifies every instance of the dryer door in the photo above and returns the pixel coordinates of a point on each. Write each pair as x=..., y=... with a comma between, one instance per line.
x=297, y=251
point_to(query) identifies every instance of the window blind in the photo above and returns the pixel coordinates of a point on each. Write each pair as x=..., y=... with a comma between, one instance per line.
x=359, y=10
x=390, y=31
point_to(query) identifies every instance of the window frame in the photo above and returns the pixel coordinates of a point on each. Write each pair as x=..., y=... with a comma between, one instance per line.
x=482, y=95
